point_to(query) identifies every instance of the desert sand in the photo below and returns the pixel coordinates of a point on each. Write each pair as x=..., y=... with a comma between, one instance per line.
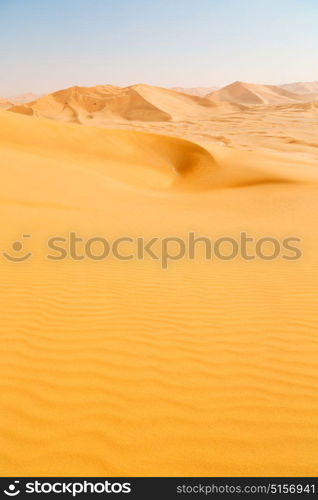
x=106, y=103
x=5, y=103
x=22, y=98
x=301, y=87
x=117, y=368
x=288, y=126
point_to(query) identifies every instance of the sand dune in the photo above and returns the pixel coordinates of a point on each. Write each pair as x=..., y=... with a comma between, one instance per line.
x=294, y=107
x=301, y=87
x=132, y=157
x=252, y=93
x=5, y=103
x=144, y=159
x=105, y=103
x=153, y=109
x=22, y=98
x=280, y=128
x=122, y=368
x=198, y=91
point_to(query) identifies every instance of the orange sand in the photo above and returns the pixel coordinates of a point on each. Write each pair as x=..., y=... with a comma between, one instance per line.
x=120, y=368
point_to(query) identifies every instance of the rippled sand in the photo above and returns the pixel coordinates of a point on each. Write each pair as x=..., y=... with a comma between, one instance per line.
x=121, y=368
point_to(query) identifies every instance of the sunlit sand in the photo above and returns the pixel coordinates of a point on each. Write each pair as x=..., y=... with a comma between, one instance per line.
x=121, y=368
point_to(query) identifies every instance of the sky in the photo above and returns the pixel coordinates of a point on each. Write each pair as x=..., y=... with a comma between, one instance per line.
x=47, y=45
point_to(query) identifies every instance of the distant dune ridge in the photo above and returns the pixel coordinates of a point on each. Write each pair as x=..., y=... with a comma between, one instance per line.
x=5, y=103
x=22, y=98
x=103, y=104
x=150, y=160
x=199, y=91
x=252, y=94
x=126, y=369
x=106, y=102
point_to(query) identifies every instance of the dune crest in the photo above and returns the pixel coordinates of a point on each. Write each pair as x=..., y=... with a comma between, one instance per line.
x=5, y=103
x=240, y=115
x=252, y=94
x=301, y=87
x=134, y=158
x=197, y=91
x=126, y=369
x=140, y=159
x=105, y=103
x=23, y=98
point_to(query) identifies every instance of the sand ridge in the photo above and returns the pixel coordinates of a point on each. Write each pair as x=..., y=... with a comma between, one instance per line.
x=272, y=119
x=198, y=91
x=302, y=87
x=206, y=369
x=253, y=94
x=109, y=103
x=162, y=161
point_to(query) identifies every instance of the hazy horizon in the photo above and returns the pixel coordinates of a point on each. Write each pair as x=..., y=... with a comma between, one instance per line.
x=123, y=43
x=30, y=91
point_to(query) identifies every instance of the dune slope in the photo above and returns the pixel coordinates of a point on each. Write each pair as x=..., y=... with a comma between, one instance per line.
x=198, y=91
x=252, y=93
x=22, y=98
x=301, y=87
x=4, y=103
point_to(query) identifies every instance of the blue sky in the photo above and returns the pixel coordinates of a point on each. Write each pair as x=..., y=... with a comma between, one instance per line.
x=47, y=45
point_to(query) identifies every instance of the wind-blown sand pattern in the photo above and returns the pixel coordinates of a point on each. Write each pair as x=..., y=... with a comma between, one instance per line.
x=118, y=368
